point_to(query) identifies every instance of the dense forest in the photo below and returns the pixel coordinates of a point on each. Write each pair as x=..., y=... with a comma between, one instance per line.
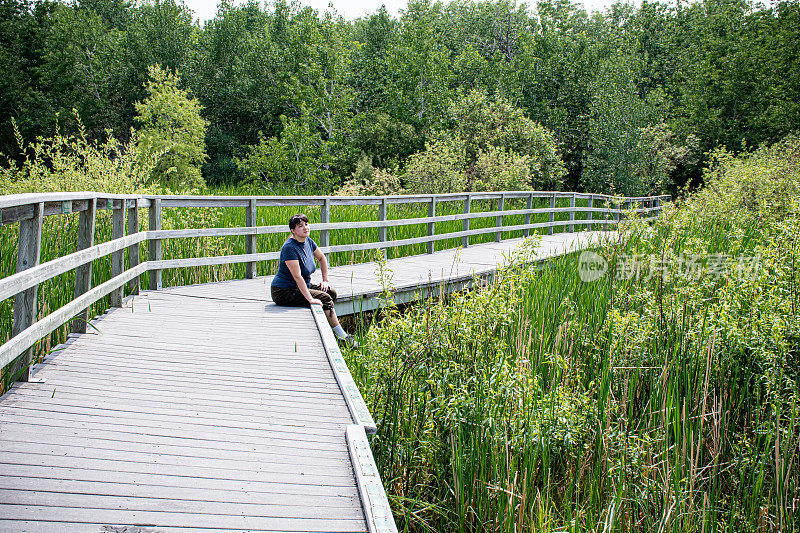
x=631, y=100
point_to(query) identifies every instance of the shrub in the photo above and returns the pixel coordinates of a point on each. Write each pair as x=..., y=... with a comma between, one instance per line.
x=172, y=131
x=74, y=163
x=369, y=181
x=299, y=157
x=438, y=169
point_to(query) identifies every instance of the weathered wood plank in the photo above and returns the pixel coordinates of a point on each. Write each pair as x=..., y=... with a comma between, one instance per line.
x=288, y=415
x=157, y=465
x=302, y=508
x=279, y=469
x=205, y=443
x=177, y=519
x=176, y=447
x=83, y=273
x=25, y=308
x=304, y=445
x=163, y=480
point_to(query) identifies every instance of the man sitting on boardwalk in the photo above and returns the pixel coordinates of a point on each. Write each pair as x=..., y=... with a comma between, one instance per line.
x=292, y=285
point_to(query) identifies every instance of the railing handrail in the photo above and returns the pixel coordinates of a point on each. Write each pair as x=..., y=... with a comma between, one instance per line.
x=10, y=204
x=30, y=209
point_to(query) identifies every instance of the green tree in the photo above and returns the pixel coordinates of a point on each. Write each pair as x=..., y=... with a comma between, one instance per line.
x=78, y=70
x=24, y=27
x=485, y=125
x=172, y=128
x=614, y=152
x=299, y=157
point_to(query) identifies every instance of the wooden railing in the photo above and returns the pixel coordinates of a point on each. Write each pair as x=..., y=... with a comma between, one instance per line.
x=30, y=209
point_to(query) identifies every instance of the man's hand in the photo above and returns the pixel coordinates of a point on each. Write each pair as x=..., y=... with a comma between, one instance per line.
x=315, y=301
x=324, y=286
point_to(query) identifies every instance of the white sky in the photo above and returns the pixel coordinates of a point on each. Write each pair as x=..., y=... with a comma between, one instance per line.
x=352, y=9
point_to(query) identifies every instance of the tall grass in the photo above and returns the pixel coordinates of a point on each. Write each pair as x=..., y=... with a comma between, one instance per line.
x=666, y=402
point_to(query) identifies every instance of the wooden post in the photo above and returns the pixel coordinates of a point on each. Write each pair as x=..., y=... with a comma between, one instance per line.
x=382, y=211
x=589, y=204
x=572, y=214
x=467, y=210
x=25, y=308
x=501, y=202
x=432, y=225
x=117, y=232
x=154, y=245
x=133, y=250
x=551, y=218
x=616, y=209
x=83, y=273
x=528, y=205
x=325, y=218
x=251, y=267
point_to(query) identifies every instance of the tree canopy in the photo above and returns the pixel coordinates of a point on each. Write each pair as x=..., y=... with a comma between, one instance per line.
x=294, y=95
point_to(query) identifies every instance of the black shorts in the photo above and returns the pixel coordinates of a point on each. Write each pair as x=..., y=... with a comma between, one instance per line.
x=292, y=297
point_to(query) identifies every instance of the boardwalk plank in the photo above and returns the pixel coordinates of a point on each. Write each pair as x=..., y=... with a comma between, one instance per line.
x=178, y=504
x=168, y=448
x=161, y=480
x=177, y=519
x=274, y=409
x=177, y=493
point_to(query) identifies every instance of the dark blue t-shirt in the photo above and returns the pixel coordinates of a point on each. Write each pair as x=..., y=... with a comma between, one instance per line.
x=295, y=251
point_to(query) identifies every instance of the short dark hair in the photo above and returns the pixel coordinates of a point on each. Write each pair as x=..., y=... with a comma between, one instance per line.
x=296, y=219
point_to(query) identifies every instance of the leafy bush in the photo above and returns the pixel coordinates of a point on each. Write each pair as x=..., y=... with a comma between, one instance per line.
x=437, y=169
x=299, y=156
x=370, y=181
x=74, y=163
x=172, y=131
x=486, y=145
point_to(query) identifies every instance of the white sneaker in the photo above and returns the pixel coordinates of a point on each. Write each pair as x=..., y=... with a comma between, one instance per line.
x=351, y=342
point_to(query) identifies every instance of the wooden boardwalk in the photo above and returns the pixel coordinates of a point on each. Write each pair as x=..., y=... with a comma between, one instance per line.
x=359, y=285
x=207, y=408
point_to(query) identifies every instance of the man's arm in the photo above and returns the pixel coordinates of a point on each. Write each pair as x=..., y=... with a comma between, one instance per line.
x=323, y=266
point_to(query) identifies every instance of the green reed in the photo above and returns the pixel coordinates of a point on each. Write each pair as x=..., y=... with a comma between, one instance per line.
x=542, y=402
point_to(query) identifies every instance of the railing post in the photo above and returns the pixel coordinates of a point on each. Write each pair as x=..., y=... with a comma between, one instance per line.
x=551, y=218
x=325, y=218
x=501, y=202
x=117, y=232
x=382, y=212
x=432, y=225
x=572, y=214
x=251, y=267
x=154, y=245
x=528, y=205
x=83, y=273
x=133, y=250
x=589, y=205
x=616, y=211
x=25, y=308
x=467, y=210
